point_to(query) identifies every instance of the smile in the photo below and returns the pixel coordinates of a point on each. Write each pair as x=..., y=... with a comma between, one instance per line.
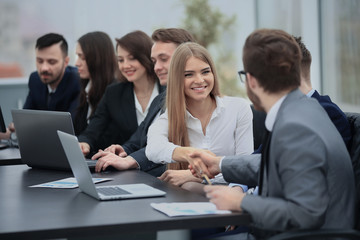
x=199, y=88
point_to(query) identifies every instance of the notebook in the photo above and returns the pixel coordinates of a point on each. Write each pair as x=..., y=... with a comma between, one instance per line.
x=38, y=142
x=84, y=178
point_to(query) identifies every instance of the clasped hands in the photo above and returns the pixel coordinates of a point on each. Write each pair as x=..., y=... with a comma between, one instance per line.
x=113, y=155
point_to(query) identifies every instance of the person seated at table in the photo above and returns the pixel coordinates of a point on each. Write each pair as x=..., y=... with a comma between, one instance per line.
x=131, y=155
x=304, y=172
x=336, y=115
x=197, y=117
x=124, y=105
x=97, y=65
x=55, y=86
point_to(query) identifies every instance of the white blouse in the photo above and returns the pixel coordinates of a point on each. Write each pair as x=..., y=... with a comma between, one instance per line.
x=140, y=115
x=228, y=133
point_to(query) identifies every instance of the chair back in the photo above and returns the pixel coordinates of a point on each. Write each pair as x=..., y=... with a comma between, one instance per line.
x=354, y=120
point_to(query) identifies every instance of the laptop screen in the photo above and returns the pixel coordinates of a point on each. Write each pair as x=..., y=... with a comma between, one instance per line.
x=2, y=122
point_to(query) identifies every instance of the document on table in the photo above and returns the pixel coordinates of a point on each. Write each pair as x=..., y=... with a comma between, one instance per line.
x=187, y=208
x=67, y=183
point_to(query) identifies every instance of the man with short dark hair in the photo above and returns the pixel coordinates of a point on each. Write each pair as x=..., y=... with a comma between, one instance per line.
x=132, y=154
x=304, y=173
x=336, y=115
x=54, y=86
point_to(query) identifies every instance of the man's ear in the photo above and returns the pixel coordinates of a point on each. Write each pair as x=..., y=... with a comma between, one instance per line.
x=253, y=83
x=67, y=59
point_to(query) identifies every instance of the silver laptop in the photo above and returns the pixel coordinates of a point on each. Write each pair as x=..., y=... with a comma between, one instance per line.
x=38, y=142
x=84, y=179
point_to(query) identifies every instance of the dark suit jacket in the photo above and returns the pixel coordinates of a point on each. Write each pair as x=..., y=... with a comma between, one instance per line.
x=336, y=115
x=114, y=120
x=308, y=179
x=81, y=116
x=135, y=146
x=65, y=97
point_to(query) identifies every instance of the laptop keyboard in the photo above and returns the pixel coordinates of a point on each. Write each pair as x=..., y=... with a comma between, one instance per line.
x=110, y=191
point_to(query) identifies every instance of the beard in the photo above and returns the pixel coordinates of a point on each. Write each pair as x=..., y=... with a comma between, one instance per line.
x=51, y=78
x=254, y=99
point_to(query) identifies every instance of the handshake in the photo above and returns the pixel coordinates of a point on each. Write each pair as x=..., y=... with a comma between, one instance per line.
x=203, y=162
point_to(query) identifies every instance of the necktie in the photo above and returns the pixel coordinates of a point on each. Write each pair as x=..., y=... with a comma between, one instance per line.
x=264, y=159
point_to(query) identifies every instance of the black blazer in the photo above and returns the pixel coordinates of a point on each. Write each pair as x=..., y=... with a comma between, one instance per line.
x=135, y=146
x=114, y=120
x=65, y=97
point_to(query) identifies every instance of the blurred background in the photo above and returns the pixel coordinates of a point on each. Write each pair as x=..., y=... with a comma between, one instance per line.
x=330, y=29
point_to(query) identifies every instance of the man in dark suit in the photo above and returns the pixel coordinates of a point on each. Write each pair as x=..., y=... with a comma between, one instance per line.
x=336, y=115
x=132, y=154
x=54, y=86
x=304, y=173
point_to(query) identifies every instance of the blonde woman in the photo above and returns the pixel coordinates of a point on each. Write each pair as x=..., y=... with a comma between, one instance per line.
x=197, y=117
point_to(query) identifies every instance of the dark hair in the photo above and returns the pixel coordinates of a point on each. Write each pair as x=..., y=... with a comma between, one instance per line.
x=101, y=61
x=50, y=39
x=306, y=58
x=174, y=35
x=139, y=45
x=273, y=57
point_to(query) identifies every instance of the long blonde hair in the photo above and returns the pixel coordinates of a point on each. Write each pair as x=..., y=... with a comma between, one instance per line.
x=175, y=95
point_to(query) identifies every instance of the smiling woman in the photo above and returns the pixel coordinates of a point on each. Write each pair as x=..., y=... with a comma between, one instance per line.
x=197, y=117
x=124, y=105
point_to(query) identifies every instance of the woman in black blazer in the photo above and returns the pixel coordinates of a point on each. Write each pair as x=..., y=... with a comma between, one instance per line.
x=97, y=66
x=124, y=105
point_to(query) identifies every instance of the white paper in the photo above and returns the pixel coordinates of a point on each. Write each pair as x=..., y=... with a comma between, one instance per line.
x=188, y=208
x=67, y=183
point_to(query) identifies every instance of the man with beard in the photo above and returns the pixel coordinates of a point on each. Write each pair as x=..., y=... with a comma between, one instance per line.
x=304, y=172
x=55, y=86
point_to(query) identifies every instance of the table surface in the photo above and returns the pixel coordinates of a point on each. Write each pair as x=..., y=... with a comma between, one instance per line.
x=56, y=213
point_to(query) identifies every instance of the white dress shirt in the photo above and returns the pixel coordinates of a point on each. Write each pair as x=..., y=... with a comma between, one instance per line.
x=229, y=132
x=140, y=114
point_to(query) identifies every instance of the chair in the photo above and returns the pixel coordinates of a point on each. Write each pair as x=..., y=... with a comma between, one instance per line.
x=354, y=120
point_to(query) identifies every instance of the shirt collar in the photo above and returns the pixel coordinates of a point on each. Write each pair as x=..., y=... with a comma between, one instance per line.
x=271, y=115
x=310, y=93
x=218, y=109
x=50, y=89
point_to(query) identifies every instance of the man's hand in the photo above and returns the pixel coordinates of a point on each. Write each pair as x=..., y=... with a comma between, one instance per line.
x=224, y=197
x=5, y=135
x=85, y=148
x=116, y=149
x=204, y=162
x=106, y=159
x=178, y=177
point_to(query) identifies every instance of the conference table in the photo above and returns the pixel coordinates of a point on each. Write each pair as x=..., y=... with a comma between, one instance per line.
x=43, y=213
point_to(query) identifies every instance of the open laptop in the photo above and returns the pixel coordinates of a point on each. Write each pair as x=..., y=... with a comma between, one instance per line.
x=39, y=144
x=84, y=179
x=2, y=129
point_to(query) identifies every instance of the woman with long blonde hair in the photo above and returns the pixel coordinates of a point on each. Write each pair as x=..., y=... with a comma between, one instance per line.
x=197, y=117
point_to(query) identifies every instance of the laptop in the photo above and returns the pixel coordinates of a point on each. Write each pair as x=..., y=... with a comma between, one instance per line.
x=84, y=179
x=3, y=130
x=2, y=122
x=38, y=142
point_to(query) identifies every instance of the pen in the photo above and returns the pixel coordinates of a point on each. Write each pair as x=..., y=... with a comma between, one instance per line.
x=206, y=179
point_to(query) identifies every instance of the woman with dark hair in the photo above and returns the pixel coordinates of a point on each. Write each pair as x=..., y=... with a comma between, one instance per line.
x=125, y=104
x=96, y=63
